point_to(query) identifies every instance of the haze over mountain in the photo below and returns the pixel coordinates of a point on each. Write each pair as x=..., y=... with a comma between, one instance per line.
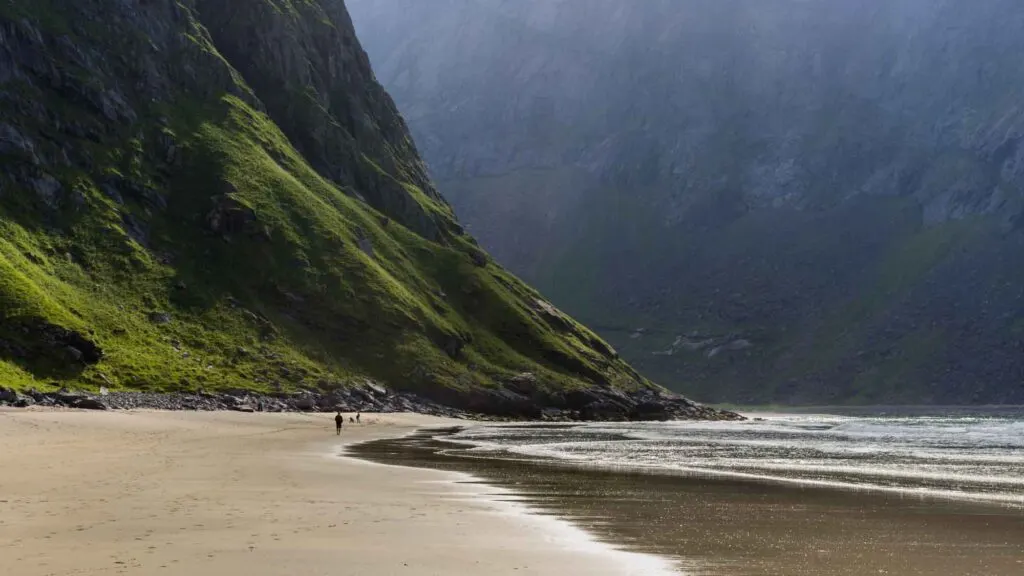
x=774, y=200
x=208, y=194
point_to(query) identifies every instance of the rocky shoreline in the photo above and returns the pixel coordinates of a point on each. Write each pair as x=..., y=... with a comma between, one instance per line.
x=576, y=406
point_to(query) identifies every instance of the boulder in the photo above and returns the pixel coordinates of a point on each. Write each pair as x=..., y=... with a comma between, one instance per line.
x=525, y=383
x=159, y=318
x=305, y=403
x=650, y=411
x=7, y=396
x=229, y=400
x=553, y=316
x=605, y=410
x=65, y=396
x=89, y=403
x=375, y=388
x=579, y=399
x=23, y=401
x=74, y=354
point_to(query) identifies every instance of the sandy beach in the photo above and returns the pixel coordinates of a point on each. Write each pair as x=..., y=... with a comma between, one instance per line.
x=718, y=526
x=167, y=493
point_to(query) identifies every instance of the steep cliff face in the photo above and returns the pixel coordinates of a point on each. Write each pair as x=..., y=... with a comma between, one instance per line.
x=213, y=194
x=805, y=201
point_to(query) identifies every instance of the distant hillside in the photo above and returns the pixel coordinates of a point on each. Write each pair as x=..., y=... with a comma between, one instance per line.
x=801, y=201
x=206, y=194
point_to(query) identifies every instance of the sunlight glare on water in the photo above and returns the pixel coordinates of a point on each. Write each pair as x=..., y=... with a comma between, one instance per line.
x=964, y=457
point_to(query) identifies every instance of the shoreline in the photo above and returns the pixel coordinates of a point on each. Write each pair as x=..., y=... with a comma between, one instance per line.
x=1007, y=503
x=732, y=527
x=509, y=504
x=260, y=494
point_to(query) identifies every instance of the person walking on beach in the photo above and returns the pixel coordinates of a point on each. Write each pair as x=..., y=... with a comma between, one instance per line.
x=338, y=421
x=357, y=417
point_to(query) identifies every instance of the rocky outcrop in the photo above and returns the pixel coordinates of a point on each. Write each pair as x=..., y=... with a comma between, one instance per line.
x=7, y=396
x=46, y=347
x=574, y=408
x=317, y=84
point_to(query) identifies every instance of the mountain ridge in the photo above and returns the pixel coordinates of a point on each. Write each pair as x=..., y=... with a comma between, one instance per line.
x=782, y=201
x=200, y=195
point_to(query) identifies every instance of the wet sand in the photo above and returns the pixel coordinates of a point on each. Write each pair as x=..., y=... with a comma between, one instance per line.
x=737, y=528
x=231, y=494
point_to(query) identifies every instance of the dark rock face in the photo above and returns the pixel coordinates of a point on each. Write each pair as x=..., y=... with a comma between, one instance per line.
x=89, y=404
x=52, y=349
x=345, y=122
x=229, y=216
x=585, y=405
x=787, y=201
x=74, y=344
x=159, y=318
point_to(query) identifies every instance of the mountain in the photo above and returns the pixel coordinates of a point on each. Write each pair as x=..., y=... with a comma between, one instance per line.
x=210, y=195
x=802, y=201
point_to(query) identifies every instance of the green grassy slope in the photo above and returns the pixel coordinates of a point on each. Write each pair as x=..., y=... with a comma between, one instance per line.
x=151, y=206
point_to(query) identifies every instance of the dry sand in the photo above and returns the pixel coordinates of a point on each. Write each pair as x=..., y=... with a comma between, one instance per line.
x=227, y=494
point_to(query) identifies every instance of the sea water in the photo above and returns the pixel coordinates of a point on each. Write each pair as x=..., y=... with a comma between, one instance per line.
x=961, y=455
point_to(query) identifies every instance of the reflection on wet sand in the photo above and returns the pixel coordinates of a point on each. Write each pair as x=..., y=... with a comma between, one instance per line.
x=730, y=527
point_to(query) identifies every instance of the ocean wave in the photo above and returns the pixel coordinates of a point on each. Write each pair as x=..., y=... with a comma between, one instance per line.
x=973, y=458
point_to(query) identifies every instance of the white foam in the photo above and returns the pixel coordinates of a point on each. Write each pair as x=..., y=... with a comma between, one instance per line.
x=972, y=457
